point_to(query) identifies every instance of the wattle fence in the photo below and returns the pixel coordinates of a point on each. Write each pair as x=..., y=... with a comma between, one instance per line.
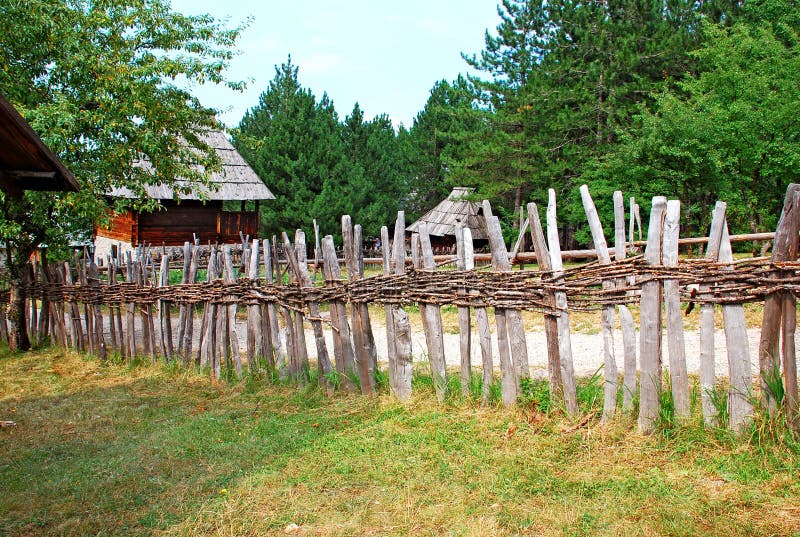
x=132, y=309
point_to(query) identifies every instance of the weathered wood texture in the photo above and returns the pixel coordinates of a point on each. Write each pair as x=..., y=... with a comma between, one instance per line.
x=607, y=322
x=650, y=323
x=676, y=347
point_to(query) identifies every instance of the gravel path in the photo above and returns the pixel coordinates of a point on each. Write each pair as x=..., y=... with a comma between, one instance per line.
x=587, y=349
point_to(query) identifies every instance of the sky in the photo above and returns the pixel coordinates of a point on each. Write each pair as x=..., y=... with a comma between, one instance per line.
x=384, y=55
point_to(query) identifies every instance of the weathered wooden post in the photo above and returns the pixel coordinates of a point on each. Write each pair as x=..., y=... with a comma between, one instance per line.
x=509, y=380
x=276, y=354
x=740, y=409
x=464, y=325
x=401, y=374
x=607, y=322
x=297, y=263
x=342, y=337
x=364, y=349
x=676, y=347
x=164, y=315
x=650, y=331
x=432, y=322
x=768, y=354
x=233, y=338
x=789, y=327
x=707, y=373
x=625, y=318
x=254, y=348
x=560, y=368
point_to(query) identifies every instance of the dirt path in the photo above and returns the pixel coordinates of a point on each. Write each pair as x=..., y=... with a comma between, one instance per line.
x=586, y=348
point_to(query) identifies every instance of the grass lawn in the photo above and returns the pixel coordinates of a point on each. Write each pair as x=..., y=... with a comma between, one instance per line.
x=152, y=450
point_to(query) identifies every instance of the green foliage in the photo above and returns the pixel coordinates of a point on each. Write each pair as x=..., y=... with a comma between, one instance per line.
x=99, y=81
x=317, y=167
x=729, y=133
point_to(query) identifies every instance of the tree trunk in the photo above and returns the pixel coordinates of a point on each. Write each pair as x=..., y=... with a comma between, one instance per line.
x=18, y=336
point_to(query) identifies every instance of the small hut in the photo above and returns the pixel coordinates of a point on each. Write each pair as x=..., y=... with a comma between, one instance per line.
x=443, y=218
x=26, y=163
x=219, y=219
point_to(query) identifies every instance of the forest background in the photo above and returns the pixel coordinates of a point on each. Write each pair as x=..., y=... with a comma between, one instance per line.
x=696, y=100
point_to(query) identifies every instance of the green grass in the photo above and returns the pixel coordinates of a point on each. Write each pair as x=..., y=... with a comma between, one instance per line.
x=152, y=450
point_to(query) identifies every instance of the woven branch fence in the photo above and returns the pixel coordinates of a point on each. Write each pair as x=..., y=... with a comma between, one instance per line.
x=133, y=310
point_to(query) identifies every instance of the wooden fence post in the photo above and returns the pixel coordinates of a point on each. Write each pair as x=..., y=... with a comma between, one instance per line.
x=233, y=338
x=401, y=326
x=164, y=314
x=768, y=357
x=627, y=325
x=369, y=337
x=650, y=330
x=676, y=347
x=464, y=325
x=740, y=409
x=391, y=346
x=364, y=353
x=298, y=266
x=607, y=322
x=276, y=354
x=342, y=337
x=789, y=328
x=562, y=322
x=254, y=348
x=707, y=365
x=562, y=375
x=509, y=381
x=432, y=322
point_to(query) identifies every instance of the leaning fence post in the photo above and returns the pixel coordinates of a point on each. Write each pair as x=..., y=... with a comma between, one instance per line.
x=364, y=347
x=740, y=409
x=650, y=330
x=607, y=323
x=342, y=336
x=510, y=318
x=768, y=357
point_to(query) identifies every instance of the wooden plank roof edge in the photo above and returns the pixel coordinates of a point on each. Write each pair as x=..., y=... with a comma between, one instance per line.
x=10, y=113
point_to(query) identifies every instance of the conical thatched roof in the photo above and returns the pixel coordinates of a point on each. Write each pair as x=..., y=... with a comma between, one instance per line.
x=237, y=180
x=443, y=218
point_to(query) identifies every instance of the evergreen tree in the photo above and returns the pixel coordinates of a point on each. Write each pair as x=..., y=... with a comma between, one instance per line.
x=443, y=135
x=293, y=143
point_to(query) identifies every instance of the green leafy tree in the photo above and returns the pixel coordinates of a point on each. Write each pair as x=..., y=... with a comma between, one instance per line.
x=731, y=132
x=564, y=79
x=98, y=79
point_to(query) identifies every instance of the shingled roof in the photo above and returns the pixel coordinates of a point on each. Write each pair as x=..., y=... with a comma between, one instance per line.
x=443, y=218
x=26, y=163
x=237, y=180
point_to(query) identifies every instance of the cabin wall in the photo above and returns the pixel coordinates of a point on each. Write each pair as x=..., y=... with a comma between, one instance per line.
x=176, y=224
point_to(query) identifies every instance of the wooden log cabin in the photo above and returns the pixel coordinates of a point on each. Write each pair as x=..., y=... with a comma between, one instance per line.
x=219, y=219
x=443, y=218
